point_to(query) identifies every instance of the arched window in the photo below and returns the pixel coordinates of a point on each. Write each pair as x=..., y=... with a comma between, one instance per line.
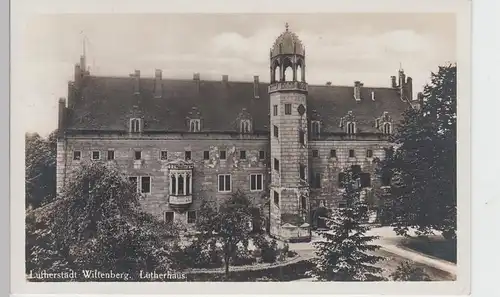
x=245, y=126
x=299, y=72
x=275, y=74
x=351, y=128
x=180, y=183
x=287, y=70
x=387, y=128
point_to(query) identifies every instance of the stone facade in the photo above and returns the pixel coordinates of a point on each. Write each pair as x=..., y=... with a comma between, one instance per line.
x=283, y=144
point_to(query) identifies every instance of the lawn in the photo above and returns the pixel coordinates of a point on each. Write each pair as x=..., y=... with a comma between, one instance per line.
x=433, y=246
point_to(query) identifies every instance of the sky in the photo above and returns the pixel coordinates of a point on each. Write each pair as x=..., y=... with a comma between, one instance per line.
x=340, y=48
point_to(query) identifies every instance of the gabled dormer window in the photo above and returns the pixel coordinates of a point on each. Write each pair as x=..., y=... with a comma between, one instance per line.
x=387, y=128
x=315, y=128
x=194, y=125
x=245, y=126
x=351, y=128
x=135, y=125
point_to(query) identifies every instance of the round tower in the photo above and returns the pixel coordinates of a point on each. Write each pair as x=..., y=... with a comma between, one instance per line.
x=289, y=189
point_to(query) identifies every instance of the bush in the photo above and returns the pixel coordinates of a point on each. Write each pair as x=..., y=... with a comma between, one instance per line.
x=243, y=257
x=197, y=256
x=269, y=250
x=407, y=272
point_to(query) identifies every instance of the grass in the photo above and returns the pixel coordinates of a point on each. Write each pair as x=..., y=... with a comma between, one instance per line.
x=433, y=246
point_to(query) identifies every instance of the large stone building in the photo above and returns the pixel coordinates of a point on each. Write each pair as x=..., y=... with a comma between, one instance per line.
x=283, y=143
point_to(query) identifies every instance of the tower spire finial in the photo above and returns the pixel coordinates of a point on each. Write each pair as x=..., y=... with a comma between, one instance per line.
x=286, y=26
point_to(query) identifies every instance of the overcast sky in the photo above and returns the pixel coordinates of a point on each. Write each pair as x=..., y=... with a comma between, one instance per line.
x=340, y=48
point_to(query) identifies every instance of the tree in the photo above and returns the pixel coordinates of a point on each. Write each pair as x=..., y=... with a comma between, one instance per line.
x=227, y=226
x=423, y=162
x=343, y=254
x=407, y=272
x=97, y=223
x=40, y=171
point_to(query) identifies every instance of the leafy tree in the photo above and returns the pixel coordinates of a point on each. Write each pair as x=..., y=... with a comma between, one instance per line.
x=423, y=162
x=407, y=272
x=344, y=255
x=40, y=170
x=226, y=226
x=97, y=223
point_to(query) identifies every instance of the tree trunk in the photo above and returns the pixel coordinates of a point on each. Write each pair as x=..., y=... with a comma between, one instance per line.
x=226, y=262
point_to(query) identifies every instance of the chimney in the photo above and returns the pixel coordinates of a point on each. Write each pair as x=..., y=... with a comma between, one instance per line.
x=256, y=86
x=78, y=76
x=225, y=78
x=328, y=83
x=196, y=76
x=158, y=84
x=137, y=82
x=373, y=95
x=409, y=89
x=402, y=78
x=83, y=64
x=357, y=90
x=394, y=85
x=62, y=114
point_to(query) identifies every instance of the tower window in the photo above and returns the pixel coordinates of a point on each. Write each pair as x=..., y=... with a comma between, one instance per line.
x=302, y=171
x=351, y=128
x=369, y=153
x=187, y=155
x=288, y=109
x=276, y=131
x=333, y=153
x=303, y=202
x=245, y=126
x=351, y=154
x=243, y=155
x=276, y=198
x=302, y=137
x=194, y=125
x=275, y=110
x=315, y=153
x=276, y=164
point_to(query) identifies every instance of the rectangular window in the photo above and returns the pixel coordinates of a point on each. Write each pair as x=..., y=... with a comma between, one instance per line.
x=317, y=181
x=187, y=155
x=77, y=155
x=169, y=217
x=302, y=171
x=315, y=153
x=138, y=155
x=243, y=155
x=351, y=154
x=288, y=109
x=369, y=153
x=276, y=164
x=275, y=110
x=386, y=178
x=276, y=198
x=146, y=184
x=333, y=153
x=225, y=183
x=365, y=180
x=275, y=129
x=206, y=155
x=303, y=202
x=191, y=217
x=342, y=205
x=302, y=137
x=96, y=155
x=262, y=155
x=133, y=181
x=222, y=155
x=163, y=155
x=111, y=155
x=255, y=182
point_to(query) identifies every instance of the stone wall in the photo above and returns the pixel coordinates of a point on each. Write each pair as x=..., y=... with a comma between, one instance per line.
x=205, y=172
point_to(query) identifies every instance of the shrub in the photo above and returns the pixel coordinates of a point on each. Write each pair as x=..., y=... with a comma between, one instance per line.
x=243, y=257
x=407, y=272
x=269, y=251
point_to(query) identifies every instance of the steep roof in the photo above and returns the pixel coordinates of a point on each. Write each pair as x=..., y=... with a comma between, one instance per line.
x=107, y=103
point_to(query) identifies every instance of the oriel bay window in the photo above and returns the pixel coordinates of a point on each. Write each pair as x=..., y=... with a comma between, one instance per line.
x=180, y=183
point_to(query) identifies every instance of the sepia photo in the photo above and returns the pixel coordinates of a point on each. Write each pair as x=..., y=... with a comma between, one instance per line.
x=268, y=148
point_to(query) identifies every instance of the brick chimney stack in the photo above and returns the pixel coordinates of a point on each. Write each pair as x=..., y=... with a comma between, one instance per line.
x=256, y=86
x=394, y=85
x=357, y=90
x=158, y=84
x=61, y=114
x=225, y=78
x=137, y=82
x=409, y=89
